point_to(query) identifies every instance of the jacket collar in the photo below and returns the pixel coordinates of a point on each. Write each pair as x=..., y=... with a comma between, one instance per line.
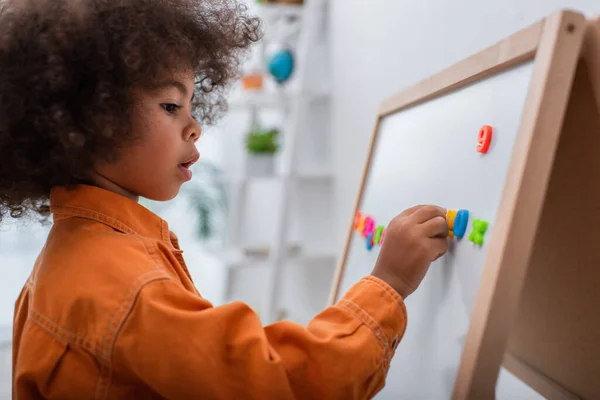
x=104, y=206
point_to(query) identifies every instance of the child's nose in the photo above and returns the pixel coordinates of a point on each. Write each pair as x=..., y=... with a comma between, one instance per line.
x=193, y=132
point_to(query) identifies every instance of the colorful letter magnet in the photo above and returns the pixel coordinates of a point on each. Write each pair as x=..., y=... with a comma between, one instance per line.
x=484, y=138
x=378, y=234
x=357, y=220
x=368, y=227
x=370, y=241
x=460, y=223
x=479, y=228
x=451, y=215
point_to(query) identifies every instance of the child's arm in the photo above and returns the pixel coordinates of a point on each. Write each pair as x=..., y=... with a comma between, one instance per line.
x=181, y=347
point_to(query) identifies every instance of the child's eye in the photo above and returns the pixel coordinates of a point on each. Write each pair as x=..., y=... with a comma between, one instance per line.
x=170, y=108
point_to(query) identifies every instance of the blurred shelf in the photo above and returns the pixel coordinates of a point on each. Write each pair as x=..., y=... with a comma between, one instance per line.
x=276, y=10
x=303, y=174
x=314, y=172
x=270, y=99
x=245, y=257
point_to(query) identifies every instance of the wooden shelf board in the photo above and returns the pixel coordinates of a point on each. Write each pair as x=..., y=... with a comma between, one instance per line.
x=268, y=99
x=240, y=258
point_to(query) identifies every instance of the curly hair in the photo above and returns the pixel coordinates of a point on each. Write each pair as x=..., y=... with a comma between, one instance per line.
x=66, y=72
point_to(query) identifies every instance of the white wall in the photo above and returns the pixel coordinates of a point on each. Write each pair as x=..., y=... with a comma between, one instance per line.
x=379, y=48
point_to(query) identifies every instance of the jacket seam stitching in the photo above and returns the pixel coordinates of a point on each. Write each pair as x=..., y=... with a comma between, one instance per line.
x=48, y=324
x=109, y=331
x=400, y=305
x=106, y=368
x=71, y=337
x=105, y=378
x=129, y=310
x=107, y=343
x=61, y=333
x=360, y=315
x=380, y=341
x=387, y=290
x=26, y=326
x=96, y=215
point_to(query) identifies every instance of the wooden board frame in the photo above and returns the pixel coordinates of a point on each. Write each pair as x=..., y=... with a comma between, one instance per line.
x=591, y=54
x=556, y=43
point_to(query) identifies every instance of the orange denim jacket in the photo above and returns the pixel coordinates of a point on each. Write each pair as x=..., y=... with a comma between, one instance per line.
x=110, y=312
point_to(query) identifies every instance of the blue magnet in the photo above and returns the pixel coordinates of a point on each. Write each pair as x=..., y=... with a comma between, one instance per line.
x=370, y=241
x=460, y=223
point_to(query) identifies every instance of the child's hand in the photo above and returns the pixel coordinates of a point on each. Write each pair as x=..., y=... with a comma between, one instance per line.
x=413, y=240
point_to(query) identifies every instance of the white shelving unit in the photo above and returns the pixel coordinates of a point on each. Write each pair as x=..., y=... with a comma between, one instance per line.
x=299, y=204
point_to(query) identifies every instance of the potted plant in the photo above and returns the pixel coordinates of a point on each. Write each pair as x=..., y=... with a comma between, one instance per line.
x=207, y=198
x=261, y=145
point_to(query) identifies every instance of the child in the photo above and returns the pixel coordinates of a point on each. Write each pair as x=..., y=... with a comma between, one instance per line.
x=96, y=109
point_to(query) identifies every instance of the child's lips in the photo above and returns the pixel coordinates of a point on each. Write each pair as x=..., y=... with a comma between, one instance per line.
x=185, y=166
x=186, y=171
x=191, y=160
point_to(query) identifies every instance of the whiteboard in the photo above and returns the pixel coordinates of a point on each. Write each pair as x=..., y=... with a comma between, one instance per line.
x=427, y=155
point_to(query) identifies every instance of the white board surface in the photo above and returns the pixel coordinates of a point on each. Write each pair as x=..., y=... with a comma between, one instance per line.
x=427, y=155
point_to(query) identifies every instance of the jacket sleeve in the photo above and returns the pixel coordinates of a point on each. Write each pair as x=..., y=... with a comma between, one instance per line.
x=181, y=346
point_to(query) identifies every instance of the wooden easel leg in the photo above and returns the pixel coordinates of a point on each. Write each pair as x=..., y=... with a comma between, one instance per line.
x=591, y=55
x=506, y=267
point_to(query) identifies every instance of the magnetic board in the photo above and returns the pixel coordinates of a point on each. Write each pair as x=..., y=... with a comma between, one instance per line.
x=425, y=160
x=424, y=151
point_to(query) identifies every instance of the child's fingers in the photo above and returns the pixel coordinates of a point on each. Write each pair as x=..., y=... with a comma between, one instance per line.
x=411, y=211
x=439, y=247
x=426, y=213
x=435, y=227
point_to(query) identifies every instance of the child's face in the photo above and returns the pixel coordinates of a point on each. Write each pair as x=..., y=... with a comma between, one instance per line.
x=157, y=164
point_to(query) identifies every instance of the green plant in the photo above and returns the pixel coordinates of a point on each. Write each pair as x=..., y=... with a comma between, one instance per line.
x=260, y=141
x=206, y=195
x=208, y=199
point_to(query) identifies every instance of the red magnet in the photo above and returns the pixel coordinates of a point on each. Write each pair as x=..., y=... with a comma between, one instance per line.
x=484, y=139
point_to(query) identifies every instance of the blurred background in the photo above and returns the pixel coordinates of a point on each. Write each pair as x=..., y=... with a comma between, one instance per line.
x=265, y=217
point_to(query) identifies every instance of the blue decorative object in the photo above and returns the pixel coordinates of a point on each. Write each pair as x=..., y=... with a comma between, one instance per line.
x=370, y=241
x=460, y=223
x=281, y=65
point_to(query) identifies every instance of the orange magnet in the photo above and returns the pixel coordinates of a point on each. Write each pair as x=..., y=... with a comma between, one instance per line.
x=450, y=215
x=361, y=225
x=357, y=220
x=484, y=139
